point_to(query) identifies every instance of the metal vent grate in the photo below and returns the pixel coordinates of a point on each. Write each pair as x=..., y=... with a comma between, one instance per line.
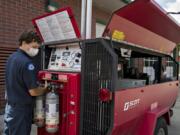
x=5, y=51
x=98, y=65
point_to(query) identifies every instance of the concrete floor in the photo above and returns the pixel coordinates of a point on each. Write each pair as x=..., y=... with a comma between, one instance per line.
x=1, y=124
x=174, y=129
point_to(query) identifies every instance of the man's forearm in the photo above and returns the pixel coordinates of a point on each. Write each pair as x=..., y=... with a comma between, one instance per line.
x=41, y=91
x=38, y=91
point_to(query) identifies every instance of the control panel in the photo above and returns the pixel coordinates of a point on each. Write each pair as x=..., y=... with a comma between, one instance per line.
x=65, y=58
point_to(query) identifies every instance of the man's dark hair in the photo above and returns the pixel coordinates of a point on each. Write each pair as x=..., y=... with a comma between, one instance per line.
x=28, y=37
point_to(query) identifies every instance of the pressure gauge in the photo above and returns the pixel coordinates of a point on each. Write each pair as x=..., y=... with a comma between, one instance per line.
x=73, y=54
x=71, y=63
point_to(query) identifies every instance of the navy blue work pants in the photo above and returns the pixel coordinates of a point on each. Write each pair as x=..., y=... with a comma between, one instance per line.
x=17, y=120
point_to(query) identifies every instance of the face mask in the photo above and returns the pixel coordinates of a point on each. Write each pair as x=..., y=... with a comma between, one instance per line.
x=32, y=52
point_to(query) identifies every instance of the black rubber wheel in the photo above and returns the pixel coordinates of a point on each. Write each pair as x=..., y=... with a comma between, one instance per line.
x=171, y=113
x=161, y=127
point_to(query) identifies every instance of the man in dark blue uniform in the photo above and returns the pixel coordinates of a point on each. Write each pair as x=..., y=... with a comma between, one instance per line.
x=21, y=86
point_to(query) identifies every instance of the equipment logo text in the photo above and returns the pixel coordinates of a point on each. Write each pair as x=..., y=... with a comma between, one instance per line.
x=131, y=104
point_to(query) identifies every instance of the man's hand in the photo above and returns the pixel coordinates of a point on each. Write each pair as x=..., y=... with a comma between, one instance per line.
x=39, y=90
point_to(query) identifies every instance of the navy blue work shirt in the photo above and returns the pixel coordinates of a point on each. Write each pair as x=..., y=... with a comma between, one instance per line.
x=20, y=78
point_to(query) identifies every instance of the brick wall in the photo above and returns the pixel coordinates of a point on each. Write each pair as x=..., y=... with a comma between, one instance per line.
x=16, y=16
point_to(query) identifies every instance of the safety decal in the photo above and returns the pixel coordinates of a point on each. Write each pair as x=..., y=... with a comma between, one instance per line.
x=31, y=67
